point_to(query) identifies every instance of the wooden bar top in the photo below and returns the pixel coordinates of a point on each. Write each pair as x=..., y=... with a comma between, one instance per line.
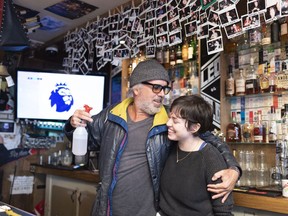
x=80, y=174
x=272, y=204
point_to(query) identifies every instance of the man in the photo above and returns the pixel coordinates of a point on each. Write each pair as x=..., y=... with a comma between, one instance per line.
x=133, y=142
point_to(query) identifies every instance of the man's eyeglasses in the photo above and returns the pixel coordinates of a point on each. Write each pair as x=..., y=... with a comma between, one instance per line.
x=158, y=88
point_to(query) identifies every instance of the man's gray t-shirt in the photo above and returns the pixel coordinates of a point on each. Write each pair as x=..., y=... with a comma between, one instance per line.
x=133, y=194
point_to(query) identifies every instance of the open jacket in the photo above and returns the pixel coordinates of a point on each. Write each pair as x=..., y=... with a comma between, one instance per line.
x=109, y=132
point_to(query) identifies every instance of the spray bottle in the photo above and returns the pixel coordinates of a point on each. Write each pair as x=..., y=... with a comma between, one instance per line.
x=80, y=138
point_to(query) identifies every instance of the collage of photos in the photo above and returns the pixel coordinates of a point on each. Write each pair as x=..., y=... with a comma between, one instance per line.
x=160, y=23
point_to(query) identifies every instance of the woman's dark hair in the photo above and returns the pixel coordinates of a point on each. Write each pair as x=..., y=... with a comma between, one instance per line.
x=194, y=109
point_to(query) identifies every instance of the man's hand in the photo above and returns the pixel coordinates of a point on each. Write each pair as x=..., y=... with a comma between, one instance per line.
x=79, y=118
x=229, y=178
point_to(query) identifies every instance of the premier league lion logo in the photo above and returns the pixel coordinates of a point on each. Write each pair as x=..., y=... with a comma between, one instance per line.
x=61, y=97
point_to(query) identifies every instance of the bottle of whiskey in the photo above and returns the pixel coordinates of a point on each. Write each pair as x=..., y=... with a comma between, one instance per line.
x=251, y=83
x=172, y=56
x=179, y=59
x=264, y=81
x=272, y=82
x=248, y=129
x=258, y=128
x=233, y=130
x=185, y=50
x=230, y=83
x=240, y=84
x=192, y=49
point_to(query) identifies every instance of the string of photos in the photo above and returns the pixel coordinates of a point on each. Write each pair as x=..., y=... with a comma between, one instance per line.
x=159, y=23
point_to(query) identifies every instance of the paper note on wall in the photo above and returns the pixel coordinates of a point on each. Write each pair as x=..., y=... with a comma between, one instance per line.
x=22, y=184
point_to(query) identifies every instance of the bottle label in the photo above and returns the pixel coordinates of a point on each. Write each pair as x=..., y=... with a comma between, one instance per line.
x=190, y=52
x=230, y=90
x=240, y=86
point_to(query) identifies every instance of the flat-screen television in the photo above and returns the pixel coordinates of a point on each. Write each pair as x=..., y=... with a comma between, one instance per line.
x=52, y=95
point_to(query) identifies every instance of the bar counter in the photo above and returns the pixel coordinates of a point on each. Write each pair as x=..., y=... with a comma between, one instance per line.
x=277, y=204
x=273, y=204
x=80, y=174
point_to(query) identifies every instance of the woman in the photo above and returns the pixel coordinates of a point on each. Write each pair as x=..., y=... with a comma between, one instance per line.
x=191, y=162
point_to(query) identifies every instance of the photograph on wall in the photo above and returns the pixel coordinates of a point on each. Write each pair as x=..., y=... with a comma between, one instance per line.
x=174, y=26
x=175, y=38
x=162, y=40
x=190, y=28
x=250, y=21
x=206, y=3
x=150, y=51
x=215, y=46
x=173, y=14
x=214, y=33
x=272, y=11
x=213, y=18
x=202, y=31
x=284, y=7
x=225, y=4
x=228, y=17
x=256, y=6
x=233, y=30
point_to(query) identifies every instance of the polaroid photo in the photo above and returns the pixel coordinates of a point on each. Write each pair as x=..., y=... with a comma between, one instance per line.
x=113, y=27
x=162, y=40
x=184, y=13
x=213, y=18
x=190, y=28
x=150, y=52
x=127, y=9
x=90, y=57
x=149, y=32
x=100, y=51
x=234, y=30
x=284, y=7
x=175, y=38
x=229, y=16
x=161, y=11
x=129, y=42
x=108, y=45
x=250, y=21
x=141, y=40
x=161, y=20
x=83, y=68
x=203, y=18
x=202, y=31
x=214, y=33
x=214, y=7
x=272, y=13
x=215, y=46
x=161, y=3
x=136, y=24
x=174, y=26
x=194, y=16
x=225, y=4
x=75, y=68
x=256, y=6
x=161, y=29
x=183, y=3
x=173, y=14
x=107, y=56
x=150, y=15
x=150, y=42
x=134, y=13
x=149, y=24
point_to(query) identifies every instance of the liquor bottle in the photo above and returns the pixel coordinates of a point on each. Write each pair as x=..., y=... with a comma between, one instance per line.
x=192, y=49
x=248, y=129
x=284, y=32
x=272, y=82
x=258, y=128
x=284, y=123
x=166, y=56
x=266, y=34
x=264, y=81
x=282, y=78
x=230, y=83
x=251, y=83
x=176, y=90
x=160, y=55
x=240, y=83
x=172, y=56
x=272, y=125
x=233, y=130
x=254, y=37
x=275, y=31
x=179, y=59
x=185, y=50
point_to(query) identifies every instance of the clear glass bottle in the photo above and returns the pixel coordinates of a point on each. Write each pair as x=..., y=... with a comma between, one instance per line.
x=272, y=82
x=179, y=59
x=176, y=90
x=240, y=83
x=284, y=124
x=258, y=128
x=251, y=83
x=233, y=130
x=230, y=83
x=272, y=125
x=191, y=49
x=172, y=56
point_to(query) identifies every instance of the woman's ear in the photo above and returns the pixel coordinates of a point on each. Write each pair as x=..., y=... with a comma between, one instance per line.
x=195, y=128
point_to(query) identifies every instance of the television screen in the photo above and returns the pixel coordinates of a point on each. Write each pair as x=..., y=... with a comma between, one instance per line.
x=43, y=95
